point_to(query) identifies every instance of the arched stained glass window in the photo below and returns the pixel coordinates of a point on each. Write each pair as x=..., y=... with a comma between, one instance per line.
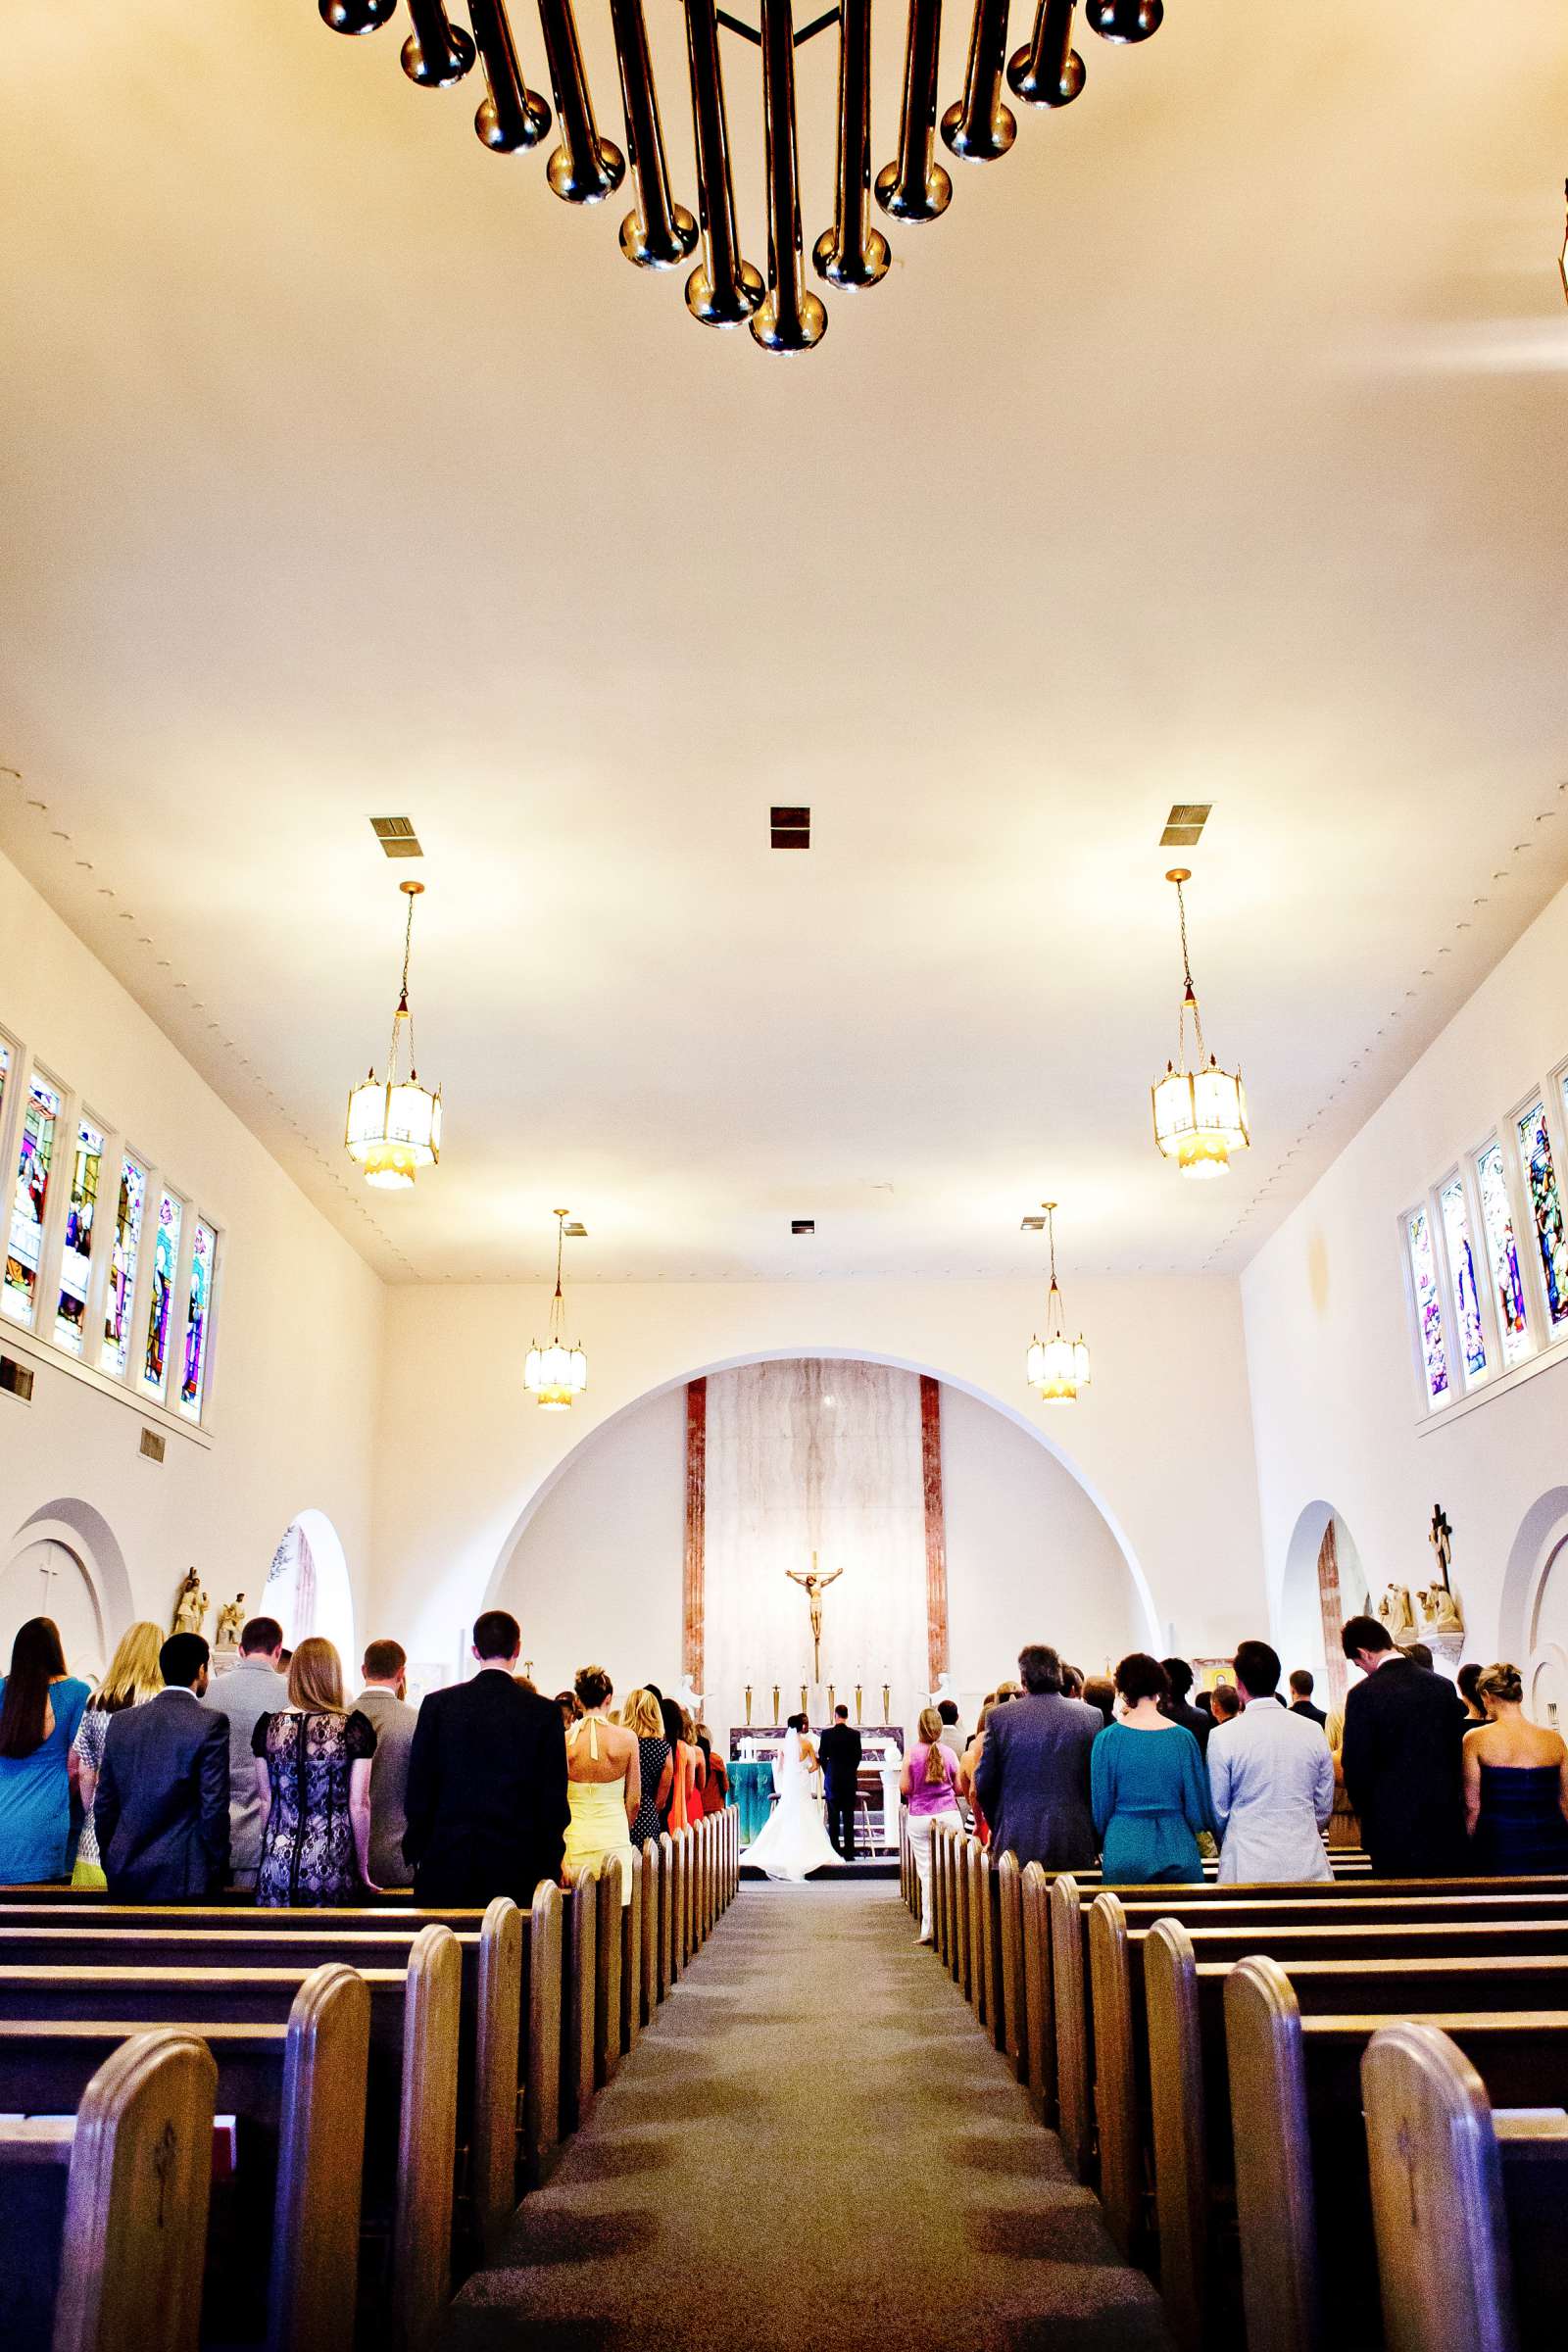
x=1462, y=1280
x=166, y=1261
x=1546, y=1211
x=1502, y=1255
x=1428, y=1304
x=193, y=1372
x=31, y=1200
x=123, y=1254
x=76, y=1266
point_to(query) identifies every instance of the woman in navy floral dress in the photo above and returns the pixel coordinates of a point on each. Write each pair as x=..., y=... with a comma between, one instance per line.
x=312, y=1773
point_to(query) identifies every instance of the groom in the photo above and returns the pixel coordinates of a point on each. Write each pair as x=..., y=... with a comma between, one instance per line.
x=840, y=1755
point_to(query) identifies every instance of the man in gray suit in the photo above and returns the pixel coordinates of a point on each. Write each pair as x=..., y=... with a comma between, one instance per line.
x=1032, y=1779
x=162, y=1806
x=383, y=1703
x=248, y=1692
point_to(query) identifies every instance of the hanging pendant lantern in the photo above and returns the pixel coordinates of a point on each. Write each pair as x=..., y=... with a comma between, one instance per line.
x=394, y=1124
x=1056, y=1366
x=1199, y=1109
x=555, y=1373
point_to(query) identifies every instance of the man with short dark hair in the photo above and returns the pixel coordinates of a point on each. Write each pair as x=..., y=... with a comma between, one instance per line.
x=1178, y=1707
x=839, y=1753
x=249, y=1689
x=1302, y=1686
x=486, y=1796
x=1272, y=1781
x=1402, y=1759
x=161, y=1811
x=1032, y=1779
x=383, y=1703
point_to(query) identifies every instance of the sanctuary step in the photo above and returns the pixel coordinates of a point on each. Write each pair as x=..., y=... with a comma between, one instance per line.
x=876, y=1866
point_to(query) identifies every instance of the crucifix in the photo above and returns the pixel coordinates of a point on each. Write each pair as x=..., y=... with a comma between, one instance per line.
x=813, y=1587
x=48, y=1574
x=1441, y=1540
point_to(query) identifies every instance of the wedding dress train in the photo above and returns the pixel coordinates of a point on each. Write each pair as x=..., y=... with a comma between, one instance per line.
x=794, y=1843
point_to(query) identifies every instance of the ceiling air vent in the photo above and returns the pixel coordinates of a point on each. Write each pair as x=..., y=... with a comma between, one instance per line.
x=152, y=1445
x=802, y=1224
x=1183, y=827
x=1032, y=1225
x=397, y=835
x=791, y=828
x=16, y=1379
x=575, y=1231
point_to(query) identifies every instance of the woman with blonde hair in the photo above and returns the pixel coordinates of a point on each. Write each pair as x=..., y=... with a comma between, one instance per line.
x=604, y=1779
x=1515, y=1785
x=312, y=1777
x=928, y=1783
x=135, y=1675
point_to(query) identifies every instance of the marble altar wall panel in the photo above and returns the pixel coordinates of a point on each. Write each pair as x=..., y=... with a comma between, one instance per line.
x=820, y=1456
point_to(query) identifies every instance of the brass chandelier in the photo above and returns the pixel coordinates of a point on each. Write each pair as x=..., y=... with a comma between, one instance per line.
x=394, y=1124
x=724, y=289
x=555, y=1373
x=1199, y=1109
x=1057, y=1367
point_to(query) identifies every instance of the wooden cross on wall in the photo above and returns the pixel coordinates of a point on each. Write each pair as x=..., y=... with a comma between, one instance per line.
x=1441, y=1540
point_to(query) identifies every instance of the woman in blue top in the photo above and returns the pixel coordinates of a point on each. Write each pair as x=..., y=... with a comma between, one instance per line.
x=40, y=1707
x=1147, y=1784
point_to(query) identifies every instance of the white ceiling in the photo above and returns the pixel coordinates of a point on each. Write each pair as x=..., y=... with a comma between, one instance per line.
x=1210, y=447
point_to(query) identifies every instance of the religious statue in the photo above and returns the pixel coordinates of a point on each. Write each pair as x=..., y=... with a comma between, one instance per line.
x=1440, y=1612
x=230, y=1623
x=1397, y=1616
x=1441, y=1539
x=813, y=1587
x=190, y=1605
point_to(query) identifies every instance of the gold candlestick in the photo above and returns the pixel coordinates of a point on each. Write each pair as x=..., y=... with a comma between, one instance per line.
x=830, y=1698
x=887, y=1704
x=856, y=1702
x=805, y=1704
x=775, y=1702
x=748, y=1707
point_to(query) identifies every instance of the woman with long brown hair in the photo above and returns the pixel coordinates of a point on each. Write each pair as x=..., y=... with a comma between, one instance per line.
x=135, y=1675
x=312, y=1777
x=40, y=1707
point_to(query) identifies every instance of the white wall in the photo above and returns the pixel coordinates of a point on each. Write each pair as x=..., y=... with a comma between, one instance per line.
x=1336, y=1408
x=296, y=1331
x=1169, y=1412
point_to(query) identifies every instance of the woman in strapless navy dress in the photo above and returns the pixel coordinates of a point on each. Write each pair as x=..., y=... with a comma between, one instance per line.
x=1515, y=1785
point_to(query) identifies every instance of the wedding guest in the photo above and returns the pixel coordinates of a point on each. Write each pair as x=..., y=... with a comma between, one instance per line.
x=644, y=1719
x=1515, y=1785
x=1100, y=1692
x=253, y=1688
x=571, y=1706
x=161, y=1811
x=311, y=1763
x=948, y=1709
x=928, y=1785
x=486, y=1796
x=968, y=1759
x=716, y=1788
x=133, y=1676
x=1178, y=1708
x=1402, y=1759
x=1033, y=1778
x=1302, y=1686
x=1344, y=1830
x=1419, y=1656
x=40, y=1708
x=383, y=1702
x=697, y=1783
x=1468, y=1677
x=1271, y=1778
x=1072, y=1682
x=604, y=1780
x=1223, y=1704
x=674, y=1810
x=1149, y=1795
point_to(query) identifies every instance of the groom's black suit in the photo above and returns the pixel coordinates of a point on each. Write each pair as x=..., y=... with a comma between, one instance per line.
x=839, y=1749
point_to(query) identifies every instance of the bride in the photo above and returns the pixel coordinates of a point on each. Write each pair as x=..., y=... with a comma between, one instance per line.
x=794, y=1843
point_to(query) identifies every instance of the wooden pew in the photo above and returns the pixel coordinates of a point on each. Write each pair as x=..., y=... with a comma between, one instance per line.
x=124, y=2263
x=610, y=1929
x=1193, y=2093
x=579, y=1987
x=1452, y=2182
x=667, y=1962
x=653, y=1929
x=413, y=2078
x=301, y=2089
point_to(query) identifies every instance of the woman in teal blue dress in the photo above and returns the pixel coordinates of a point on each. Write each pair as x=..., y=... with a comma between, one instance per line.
x=40, y=1708
x=1148, y=1785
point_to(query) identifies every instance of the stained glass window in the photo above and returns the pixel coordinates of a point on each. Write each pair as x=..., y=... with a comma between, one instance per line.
x=5, y=1072
x=165, y=1261
x=1428, y=1304
x=1462, y=1277
x=28, y=1208
x=1546, y=1211
x=123, y=1254
x=71, y=1313
x=1503, y=1255
x=203, y=1261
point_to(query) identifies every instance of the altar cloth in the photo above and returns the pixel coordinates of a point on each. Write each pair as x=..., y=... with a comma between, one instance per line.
x=750, y=1786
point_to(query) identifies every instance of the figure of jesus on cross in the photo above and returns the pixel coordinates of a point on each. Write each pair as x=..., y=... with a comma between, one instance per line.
x=813, y=1587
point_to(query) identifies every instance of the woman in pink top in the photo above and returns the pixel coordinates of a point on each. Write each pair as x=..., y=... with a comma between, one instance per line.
x=928, y=1783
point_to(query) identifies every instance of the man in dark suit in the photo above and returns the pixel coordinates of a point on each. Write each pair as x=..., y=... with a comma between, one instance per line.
x=1032, y=1779
x=1179, y=1708
x=162, y=1806
x=1302, y=1698
x=1402, y=1759
x=486, y=1802
x=839, y=1752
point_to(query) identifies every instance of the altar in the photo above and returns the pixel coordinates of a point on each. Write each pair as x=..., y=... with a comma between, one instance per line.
x=754, y=1749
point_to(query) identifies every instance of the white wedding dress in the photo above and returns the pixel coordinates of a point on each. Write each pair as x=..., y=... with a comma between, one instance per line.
x=794, y=1842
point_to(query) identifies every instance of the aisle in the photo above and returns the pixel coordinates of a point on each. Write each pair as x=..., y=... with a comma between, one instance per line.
x=813, y=2146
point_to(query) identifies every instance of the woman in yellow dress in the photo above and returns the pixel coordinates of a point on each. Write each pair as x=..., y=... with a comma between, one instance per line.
x=604, y=1780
